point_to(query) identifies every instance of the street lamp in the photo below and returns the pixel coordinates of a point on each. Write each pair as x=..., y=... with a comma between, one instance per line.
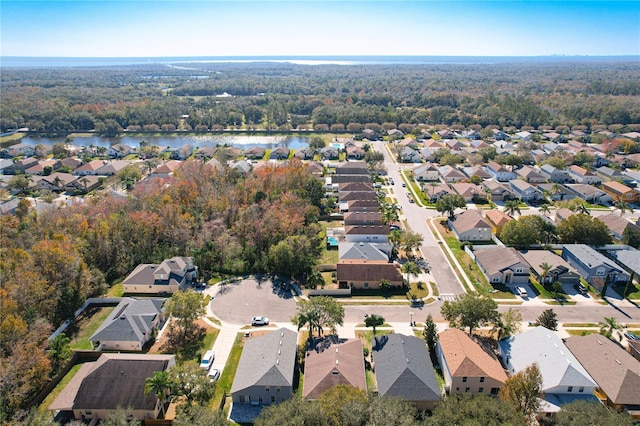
x=411, y=319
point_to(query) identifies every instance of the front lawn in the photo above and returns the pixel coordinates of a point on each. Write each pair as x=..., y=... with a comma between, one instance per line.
x=228, y=373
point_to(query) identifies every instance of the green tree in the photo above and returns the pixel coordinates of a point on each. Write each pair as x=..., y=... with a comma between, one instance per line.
x=580, y=413
x=121, y=417
x=522, y=390
x=129, y=176
x=472, y=410
x=192, y=382
x=623, y=207
x=292, y=412
x=411, y=240
x=373, y=321
x=449, y=203
x=512, y=207
x=631, y=236
x=184, y=308
x=315, y=279
x=545, y=267
x=410, y=268
x=475, y=179
x=197, y=415
x=470, y=310
x=583, y=229
x=390, y=213
x=548, y=319
x=430, y=334
x=608, y=325
x=544, y=209
x=160, y=385
x=293, y=256
x=319, y=312
x=507, y=324
x=343, y=403
x=59, y=351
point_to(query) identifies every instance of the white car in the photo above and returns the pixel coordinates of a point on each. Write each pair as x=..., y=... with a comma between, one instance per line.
x=522, y=292
x=207, y=359
x=214, y=375
x=259, y=321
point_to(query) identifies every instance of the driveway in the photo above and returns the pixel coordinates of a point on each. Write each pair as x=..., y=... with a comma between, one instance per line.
x=237, y=302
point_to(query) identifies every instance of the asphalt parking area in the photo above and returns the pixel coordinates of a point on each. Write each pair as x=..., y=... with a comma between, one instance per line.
x=240, y=301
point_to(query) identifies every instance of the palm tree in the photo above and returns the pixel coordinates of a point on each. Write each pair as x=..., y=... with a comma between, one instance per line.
x=390, y=213
x=315, y=279
x=544, y=209
x=545, y=270
x=581, y=208
x=410, y=268
x=511, y=207
x=608, y=325
x=507, y=324
x=160, y=385
x=623, y=207
x=374, y=321
x=433, y=185
x=556, y=188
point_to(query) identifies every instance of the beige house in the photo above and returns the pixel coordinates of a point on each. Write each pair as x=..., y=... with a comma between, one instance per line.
x=503, y=265
x=366, y=274
x=468, y=367
x=167, y=277
x=111, y=382
x=471, y=226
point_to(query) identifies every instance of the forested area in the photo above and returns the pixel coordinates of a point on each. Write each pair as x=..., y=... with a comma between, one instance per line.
x=324, y=97
x=51, y=262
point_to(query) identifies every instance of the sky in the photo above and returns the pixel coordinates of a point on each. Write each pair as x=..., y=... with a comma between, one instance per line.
x=172, y=28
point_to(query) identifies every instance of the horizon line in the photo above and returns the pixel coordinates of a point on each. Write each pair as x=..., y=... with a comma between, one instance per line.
x=554, y=55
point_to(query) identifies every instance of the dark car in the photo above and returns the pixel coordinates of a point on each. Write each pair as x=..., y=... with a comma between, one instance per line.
x=629, y=335
x=199, y=286
x=580, y=289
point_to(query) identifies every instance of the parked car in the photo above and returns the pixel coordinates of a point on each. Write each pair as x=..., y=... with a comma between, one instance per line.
x=199, y=286
x=259, y=321
x=391, y=181
x=522, y=292
x=214, y=374
x=404, y=185
x=631, y=336
x=207, y=359
x=580, y=289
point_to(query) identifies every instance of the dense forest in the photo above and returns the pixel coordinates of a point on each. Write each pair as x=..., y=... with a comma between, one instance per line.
x=51, y=262
x=215, y=96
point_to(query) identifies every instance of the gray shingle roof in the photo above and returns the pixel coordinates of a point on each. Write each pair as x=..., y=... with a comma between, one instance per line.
x=367, y=251
x=267, y=360
x=129, y=321
x=404, y=369
x=629, y=259
x=558, y=366
x=589, y=256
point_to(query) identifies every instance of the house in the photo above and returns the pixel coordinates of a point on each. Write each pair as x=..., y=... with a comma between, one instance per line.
x=355, y=152
x=451, y=174
x=130, y=325
x=359, y=205
x=355, y=187
x=426, y=172
x=556, y=191
x=564, y=379
x=436, y=190
x=581, y=175
x=589, y=193
x=560, y=271
x=476, y=171
x=56, y=181
x=266, y=370
x=40, y=167
x=617, y=225
x=468, y=366
x=363, y=218
x=367, y=274
x=554, y=174
x=329, y=153
x=618, y=382
x=166, y=169
x=497, y=219
x=633, y=347
x=306, y=153
x=242, y=167
x=594, y=267
x=470, y=226
x=255, y=153
x=5, y=164
x=182, y=153
x=620, y=192
x=352, y=168
x=19, y=166
x=279, y=153
x=497, y=190
x=120, y=150
x=205, y=153
x=344, y=196
x=69, y=163
x=167, y=277
x=379, y=252
x=406, y=154
x=83, y=184
x=628, y=258
x=395, y=133
x=366, y=233
x=112, y=167
x=499, y=135
x=404, y=370
x=608, y=173
x=503, y=265
x=343, y=178
x=469, y=191
x=531, y=175
x=500, y=173
x=338, y=363
x=113, y=381
x=526, y=192
x=562, y=214
x=90, y=168
x=524, y=135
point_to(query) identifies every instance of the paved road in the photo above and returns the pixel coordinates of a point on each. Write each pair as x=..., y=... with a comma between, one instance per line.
x=416, y=217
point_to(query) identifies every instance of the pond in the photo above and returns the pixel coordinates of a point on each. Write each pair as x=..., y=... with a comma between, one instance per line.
x=239, y=141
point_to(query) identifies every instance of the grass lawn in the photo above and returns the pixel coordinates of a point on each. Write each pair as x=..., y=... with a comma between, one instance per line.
x=434, y=288
x=209, y=338
x=85, y=325
x=633, y=294
x=372, y=385
x=581, y=332
x=580, y=324
x=117, y=290
x=367, y=336
x=229, y=372
x=58, y=389
x=539, y=288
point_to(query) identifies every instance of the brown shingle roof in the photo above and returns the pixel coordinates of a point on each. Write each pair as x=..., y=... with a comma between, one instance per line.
x=498, y=258
x=363, y=270
x=616, y=187
x=338, y=364
x=465, y=357
x=615, y=371
x=366, y=230
x=471, y=219
x=498, y=217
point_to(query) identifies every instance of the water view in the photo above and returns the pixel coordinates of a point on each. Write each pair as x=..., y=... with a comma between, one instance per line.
x=239, y=141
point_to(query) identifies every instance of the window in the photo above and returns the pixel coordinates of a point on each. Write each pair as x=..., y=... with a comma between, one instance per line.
x=600, y=272
x=241, y=398
x=464, y=379
x=267, y=389
x=495, y=279
x=494, y=391
x=480, y=390
x=466, y=389
x=581, y=389
x=518, y=270
x=273, y=399
x=481, y=379
x=366, y=285
x=457, y=389
x=278, y=389
x=570, y=389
